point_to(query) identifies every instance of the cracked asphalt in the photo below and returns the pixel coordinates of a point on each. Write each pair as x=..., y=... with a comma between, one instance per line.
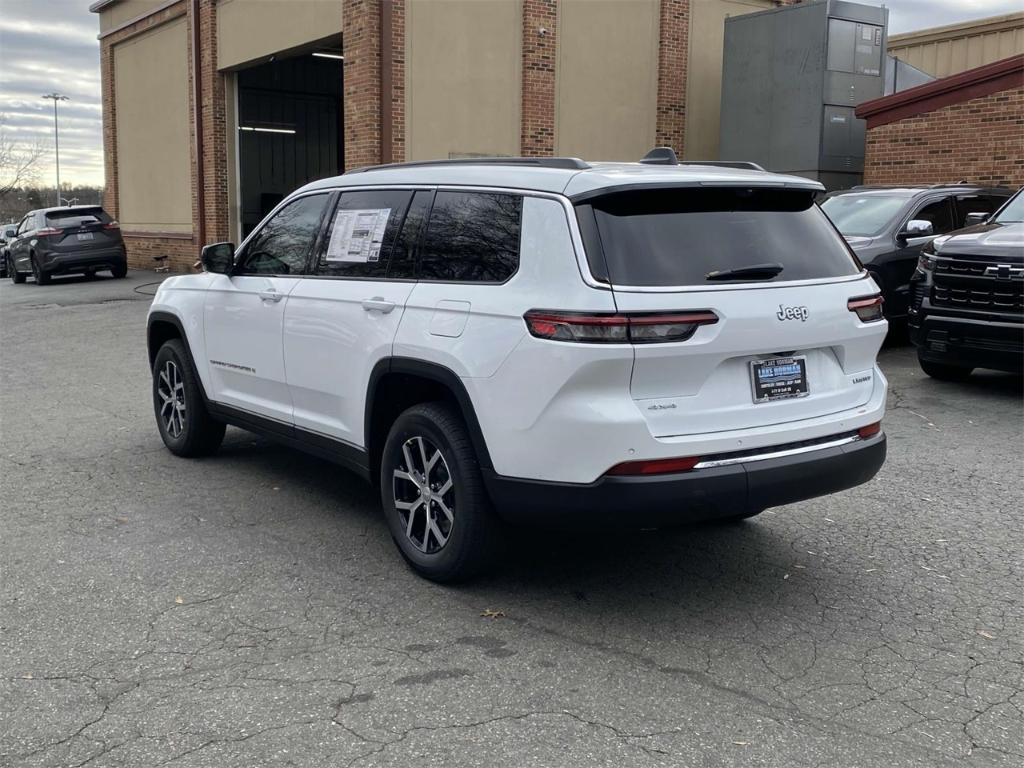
x=250, y=609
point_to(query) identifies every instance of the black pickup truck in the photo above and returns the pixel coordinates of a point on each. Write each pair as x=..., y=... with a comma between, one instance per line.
x=966, y=308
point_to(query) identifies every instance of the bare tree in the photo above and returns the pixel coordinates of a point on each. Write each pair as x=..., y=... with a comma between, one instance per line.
x=19, y=161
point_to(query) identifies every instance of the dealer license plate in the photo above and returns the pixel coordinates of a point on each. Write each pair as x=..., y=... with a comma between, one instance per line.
x=779, y=378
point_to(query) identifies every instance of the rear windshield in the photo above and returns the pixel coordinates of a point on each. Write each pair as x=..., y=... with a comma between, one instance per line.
x=676, y=237
x=76, y=218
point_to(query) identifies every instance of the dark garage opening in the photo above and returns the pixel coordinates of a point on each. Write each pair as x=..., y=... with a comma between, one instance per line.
x=289, y=129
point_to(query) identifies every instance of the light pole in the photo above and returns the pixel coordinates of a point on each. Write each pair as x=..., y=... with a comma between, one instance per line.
x=56, y=138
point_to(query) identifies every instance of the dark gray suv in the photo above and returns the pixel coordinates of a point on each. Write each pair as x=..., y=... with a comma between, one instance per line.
x=888, y=226
x=79, y=239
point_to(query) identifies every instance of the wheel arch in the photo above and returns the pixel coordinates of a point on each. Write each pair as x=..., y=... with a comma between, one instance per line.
x=397, y=383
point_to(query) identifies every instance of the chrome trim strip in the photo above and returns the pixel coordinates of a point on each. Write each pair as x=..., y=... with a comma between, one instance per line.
x=777, y=454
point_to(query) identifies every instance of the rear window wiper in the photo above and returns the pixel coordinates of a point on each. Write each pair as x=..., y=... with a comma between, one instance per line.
x=753, y=272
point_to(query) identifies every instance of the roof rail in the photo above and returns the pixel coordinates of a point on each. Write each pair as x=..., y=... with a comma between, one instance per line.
x=565, y=163
x=742, y=164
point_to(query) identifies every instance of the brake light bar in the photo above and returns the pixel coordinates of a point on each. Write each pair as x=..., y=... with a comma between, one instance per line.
x=616, y=328
x=868, y=308
x=46, y=232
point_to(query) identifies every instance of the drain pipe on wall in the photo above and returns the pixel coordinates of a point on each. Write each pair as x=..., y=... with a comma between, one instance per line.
x=197, y=110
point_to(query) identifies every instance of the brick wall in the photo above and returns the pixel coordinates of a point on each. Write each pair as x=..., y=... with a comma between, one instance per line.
x=980, y=140
x=540, y=44
x=398, y=81
x=181, y=250
x=361, y=41
x=214, y=117
x=672, y=65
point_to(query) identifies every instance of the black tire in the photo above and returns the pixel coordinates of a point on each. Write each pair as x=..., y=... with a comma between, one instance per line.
x=472, y=529
x=944, y=372
x=42, y=278
x=16, y=277
x=196, y=433
x=120, y=271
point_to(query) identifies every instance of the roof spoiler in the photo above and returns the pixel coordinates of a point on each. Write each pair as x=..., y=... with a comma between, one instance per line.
x=667, y=156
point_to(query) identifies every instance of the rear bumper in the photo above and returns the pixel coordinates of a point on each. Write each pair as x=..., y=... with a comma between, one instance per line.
x=969, y=342
x=56, y=263
x=700, y=494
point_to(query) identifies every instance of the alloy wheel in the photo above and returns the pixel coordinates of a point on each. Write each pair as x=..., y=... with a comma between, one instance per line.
x=171, y=390
x=424, y=493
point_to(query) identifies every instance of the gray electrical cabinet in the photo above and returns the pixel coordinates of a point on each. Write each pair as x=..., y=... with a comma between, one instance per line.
x=791, y=78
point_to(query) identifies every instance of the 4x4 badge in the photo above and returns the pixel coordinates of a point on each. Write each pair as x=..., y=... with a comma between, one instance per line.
x=792, y=313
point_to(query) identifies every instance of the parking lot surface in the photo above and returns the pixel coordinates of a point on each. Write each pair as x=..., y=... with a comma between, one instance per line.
x=250, y=609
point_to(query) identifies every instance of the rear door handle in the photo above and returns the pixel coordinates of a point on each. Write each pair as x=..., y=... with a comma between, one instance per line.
x=271, y=295
x=378, y=304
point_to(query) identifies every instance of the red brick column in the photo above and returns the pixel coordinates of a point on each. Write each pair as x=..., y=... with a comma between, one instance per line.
x=213, y=113
x=540, y=46
x=398, y=81
x=361, y=41
x=109, y=127
x=670, y=130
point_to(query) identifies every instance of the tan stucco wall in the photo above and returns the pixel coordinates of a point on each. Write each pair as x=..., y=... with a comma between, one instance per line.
x=944, y=51
x=126, y=10
x=252, y=29
x=153, y=163
x=606, y=89
x=704, y=72
x=463, y=69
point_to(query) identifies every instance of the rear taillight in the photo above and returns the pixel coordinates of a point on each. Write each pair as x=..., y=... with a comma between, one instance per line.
x=48, y=231
x=598, y=328
x=112, y=225
x=870, y=430
x=868, y=308
x=655, y=467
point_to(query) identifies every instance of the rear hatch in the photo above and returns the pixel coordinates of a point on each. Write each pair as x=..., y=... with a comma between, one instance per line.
x=784, y=344
x=81, y=229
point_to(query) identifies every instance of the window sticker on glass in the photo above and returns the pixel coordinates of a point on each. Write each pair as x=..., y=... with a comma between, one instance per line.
x=357, y=235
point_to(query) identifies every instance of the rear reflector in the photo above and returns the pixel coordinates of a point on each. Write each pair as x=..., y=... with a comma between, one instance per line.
x=868, y=308
x=598, y=328
x=656, y=467
x=870, y=430
x=49, y=231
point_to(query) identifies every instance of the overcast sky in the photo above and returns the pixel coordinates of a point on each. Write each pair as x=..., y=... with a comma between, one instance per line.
x=48, y=45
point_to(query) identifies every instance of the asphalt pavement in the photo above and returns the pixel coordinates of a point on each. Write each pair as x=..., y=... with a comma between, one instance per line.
x=250, y=609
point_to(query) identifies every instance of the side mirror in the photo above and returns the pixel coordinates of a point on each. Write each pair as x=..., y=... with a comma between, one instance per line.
x=978, y=217
x=10, y=233
x=915, y=229
x=218, y=258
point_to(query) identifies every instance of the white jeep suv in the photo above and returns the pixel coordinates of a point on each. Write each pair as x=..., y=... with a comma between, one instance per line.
x=544, y=340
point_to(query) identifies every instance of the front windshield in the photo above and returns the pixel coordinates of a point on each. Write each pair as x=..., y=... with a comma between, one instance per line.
x=1013, y=211
x=862, y=215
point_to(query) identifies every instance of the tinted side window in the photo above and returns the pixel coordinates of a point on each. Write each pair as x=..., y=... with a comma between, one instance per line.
x=472, y=237
x=403, y=252
x=976, y=204
x=362, y=232
x=939, y=214
x=282, y=246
